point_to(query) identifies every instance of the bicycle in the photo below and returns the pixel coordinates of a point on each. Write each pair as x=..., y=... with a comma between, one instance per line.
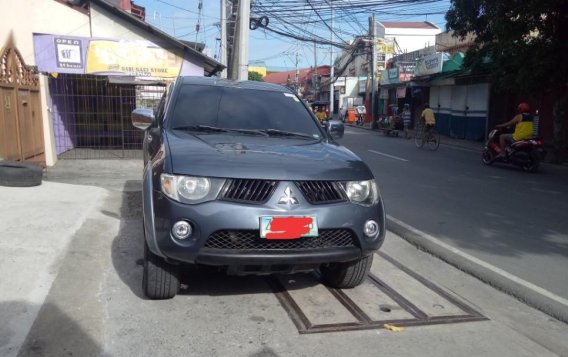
x=432, y=139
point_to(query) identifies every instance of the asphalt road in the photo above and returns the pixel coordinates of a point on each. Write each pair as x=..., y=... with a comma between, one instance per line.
x=513, y=220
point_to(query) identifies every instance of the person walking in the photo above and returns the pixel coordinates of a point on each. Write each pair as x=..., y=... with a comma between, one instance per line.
x=406, y=120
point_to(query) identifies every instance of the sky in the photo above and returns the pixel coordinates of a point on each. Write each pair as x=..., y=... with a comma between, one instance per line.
x=179, y=18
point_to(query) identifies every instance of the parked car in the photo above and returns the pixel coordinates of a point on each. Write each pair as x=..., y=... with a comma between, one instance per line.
x=240, y=175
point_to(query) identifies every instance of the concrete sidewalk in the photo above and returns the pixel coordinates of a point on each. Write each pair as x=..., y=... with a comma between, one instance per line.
x=37, y=224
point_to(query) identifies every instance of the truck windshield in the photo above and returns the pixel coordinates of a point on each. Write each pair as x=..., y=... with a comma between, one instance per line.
x=238, y=108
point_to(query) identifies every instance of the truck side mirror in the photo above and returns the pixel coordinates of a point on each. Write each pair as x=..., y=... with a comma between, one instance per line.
x=143, y=118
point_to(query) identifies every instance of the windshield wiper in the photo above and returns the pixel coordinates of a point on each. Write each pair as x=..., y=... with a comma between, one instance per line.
x=277, y=132
x=200, y=128
x=214, y=129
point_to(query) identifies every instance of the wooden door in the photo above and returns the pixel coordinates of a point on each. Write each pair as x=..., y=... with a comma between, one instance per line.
x=21, y=127
x=9, y=147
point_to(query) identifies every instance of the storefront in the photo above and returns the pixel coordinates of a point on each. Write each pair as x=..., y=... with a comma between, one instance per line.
x=461, y=102
x=95, y=84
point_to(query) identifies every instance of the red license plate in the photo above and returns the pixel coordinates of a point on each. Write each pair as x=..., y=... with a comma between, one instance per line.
x=292, y=227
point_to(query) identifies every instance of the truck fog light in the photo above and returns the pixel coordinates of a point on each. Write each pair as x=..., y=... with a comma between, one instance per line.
x=371, y=228
x=181, y=230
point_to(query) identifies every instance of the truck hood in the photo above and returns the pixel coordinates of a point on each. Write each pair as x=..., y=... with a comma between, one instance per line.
x=241, y=156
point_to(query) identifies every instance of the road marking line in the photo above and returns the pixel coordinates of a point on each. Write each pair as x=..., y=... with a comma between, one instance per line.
x=484, y=264
x=455, y=147
x=387, y=155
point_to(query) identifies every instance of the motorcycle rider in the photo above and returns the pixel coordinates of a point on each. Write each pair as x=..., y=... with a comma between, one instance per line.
x=523, y=122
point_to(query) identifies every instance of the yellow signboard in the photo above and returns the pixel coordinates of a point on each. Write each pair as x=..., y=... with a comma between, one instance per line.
x=131, y=58
x=386, y=47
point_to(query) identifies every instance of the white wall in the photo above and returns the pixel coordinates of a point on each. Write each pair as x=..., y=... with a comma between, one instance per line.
x=409, y=39
x=412, y=39
x=24, y=17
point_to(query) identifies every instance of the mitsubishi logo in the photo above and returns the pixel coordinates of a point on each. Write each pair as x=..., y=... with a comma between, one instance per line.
x=288, y=198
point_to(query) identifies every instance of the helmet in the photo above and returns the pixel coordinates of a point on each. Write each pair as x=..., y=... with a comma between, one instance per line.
x=523, y=108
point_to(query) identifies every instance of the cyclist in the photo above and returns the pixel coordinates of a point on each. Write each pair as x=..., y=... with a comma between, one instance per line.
x=429, y=120
x=321, y=115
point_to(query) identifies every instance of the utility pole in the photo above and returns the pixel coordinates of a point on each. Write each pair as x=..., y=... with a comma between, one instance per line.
x=223, y=46
x=243, y=40
x=297, y=79
x=315, y=74
x=332, y=71
x=373, y=70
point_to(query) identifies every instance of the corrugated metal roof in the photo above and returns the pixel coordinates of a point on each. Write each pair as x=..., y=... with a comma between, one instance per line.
x=210, y=65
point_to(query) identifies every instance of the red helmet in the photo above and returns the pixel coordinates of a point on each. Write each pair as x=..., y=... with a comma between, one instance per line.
x=523, y=108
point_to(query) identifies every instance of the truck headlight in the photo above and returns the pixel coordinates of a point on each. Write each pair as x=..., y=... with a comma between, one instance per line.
x=190, y=189
x=365, y=193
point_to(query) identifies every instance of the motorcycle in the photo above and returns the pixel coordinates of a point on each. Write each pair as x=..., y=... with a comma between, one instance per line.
x=527, y=153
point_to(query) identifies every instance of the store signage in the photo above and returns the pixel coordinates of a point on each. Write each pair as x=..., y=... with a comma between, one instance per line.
x=362, y=84
x=131, y=58
x=340, y=81
x=406, y=70
x=83, y=55
x=430, y=64
x=68, y=53
x=393, y=73
x=384, y=77
x=385, y=46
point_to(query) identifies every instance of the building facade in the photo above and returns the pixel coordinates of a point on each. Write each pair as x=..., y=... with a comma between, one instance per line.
x=95, y=61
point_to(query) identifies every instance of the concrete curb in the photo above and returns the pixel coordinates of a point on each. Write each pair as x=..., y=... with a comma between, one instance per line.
x=533, y=298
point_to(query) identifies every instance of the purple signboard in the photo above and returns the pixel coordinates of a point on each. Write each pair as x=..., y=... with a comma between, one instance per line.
x=60, y=54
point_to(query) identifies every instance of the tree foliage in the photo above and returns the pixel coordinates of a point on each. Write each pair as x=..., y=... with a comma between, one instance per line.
x=255, y=76
x=522, y=43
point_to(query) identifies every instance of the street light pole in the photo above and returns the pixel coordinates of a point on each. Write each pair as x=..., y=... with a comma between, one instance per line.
x=223, y=46
x=373, y=76
x=296, y=81
x=243, y=43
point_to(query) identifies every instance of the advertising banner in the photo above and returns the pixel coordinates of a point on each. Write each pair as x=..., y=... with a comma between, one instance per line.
x=384, y=77
x=406, y=70
x=131, y=58
x=393, y=75
x=362, y=84
x=430, y=64
x=81, y=55
x=385, y=46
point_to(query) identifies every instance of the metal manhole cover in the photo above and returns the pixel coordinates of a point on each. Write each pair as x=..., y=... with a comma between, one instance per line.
x=401, y=298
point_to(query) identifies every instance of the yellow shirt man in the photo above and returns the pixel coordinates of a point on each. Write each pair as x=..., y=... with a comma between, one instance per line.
x=523, y=127
x=320, y=114
x=428, y=116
